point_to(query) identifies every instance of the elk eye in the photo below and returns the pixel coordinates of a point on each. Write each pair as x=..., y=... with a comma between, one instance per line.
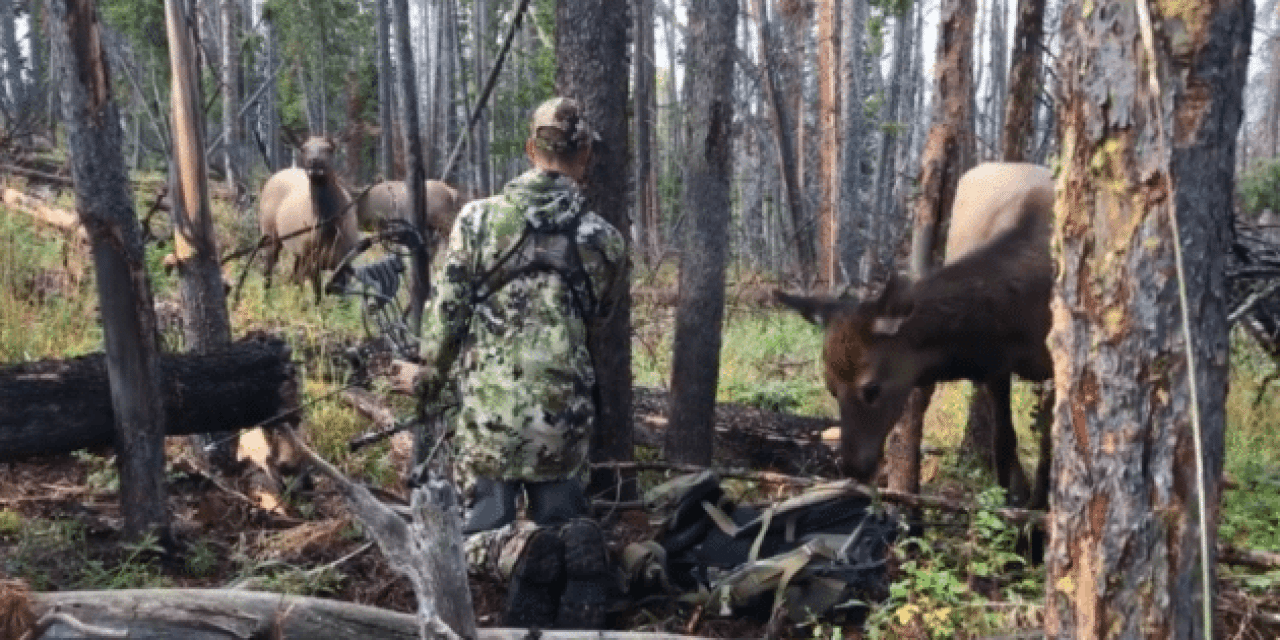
x=870, y=392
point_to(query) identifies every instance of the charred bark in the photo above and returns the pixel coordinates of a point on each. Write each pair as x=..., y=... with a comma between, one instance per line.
x=591, y=57
x=1148, y=136
x=105, y=203
x=57, y=406
x=696, y=346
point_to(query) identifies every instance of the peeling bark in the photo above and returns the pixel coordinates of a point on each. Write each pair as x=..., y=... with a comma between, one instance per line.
x=1124, y=558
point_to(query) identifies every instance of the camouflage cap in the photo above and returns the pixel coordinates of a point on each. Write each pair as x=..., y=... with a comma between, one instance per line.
x=557, y=126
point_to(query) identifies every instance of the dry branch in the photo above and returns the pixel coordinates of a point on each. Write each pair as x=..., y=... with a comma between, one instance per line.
x=427, y=550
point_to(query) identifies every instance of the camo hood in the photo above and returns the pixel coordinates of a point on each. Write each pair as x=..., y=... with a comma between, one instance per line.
x=549, y=201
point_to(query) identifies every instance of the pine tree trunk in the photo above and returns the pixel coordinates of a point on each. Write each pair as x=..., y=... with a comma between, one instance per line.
x=646, y=212
x=1019, y=123
x=232, y=131
x=829, y=178
x=105, y=203
x=386, y=100
x=416, y=171
x=853, y=142
x=483, y=163
x=782, y=117
x=892, y=138
x=696, y=345
x=12, y=94
x=591, y=57
x=1148, y=134
x=946, y=155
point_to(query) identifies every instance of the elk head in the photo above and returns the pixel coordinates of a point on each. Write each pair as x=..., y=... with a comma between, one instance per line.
x=316, y=156
x=869, y=367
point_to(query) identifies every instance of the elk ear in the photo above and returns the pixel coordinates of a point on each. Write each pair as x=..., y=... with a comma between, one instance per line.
x=819, y=311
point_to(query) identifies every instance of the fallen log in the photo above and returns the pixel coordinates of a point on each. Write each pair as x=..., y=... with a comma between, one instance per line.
x=218, y=614
x=57, y=406
x=61, y=219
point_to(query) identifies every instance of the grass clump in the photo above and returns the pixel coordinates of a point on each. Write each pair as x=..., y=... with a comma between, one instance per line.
x=964, y=586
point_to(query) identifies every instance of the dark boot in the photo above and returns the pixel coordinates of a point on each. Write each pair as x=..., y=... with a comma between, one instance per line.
x=586, y=565
x=555, y=502
x=537, y=582
x=493, y=506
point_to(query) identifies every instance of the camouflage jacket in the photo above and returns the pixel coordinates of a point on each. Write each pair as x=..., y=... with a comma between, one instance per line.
x=519, y=356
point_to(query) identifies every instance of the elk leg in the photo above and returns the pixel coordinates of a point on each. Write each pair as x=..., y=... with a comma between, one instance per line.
x=1009, y=471
x=269, y=263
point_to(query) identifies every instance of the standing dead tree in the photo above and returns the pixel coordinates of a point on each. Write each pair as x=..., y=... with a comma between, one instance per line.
x=206, y=324
x=104, y=200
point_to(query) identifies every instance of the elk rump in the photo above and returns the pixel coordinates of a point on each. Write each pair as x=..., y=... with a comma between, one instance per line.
x=982, y=316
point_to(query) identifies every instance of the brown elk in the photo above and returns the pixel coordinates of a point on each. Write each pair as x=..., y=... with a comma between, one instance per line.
x=389, y=200
x=982, y=316
x=307, y=211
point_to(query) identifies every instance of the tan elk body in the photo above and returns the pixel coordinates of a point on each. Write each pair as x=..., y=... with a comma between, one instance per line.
x=982, y=316
x=306, y=211
x=389, y=200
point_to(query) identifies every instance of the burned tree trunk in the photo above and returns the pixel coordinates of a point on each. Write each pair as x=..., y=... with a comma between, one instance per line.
x=1139, y=314
x=591, y=48
x=105, y=203
x=57, y=406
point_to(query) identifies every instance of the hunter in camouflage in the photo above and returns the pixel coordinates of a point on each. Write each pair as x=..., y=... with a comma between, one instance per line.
x=524, y=276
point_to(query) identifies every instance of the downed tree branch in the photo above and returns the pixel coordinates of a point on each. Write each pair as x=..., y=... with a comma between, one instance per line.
x=60, y=180
x=49, y=619
x=218, y=614
x=427, y=550
x=57, y=406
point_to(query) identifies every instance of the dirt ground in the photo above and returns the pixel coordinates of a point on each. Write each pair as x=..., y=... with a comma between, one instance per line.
x=318, y=549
